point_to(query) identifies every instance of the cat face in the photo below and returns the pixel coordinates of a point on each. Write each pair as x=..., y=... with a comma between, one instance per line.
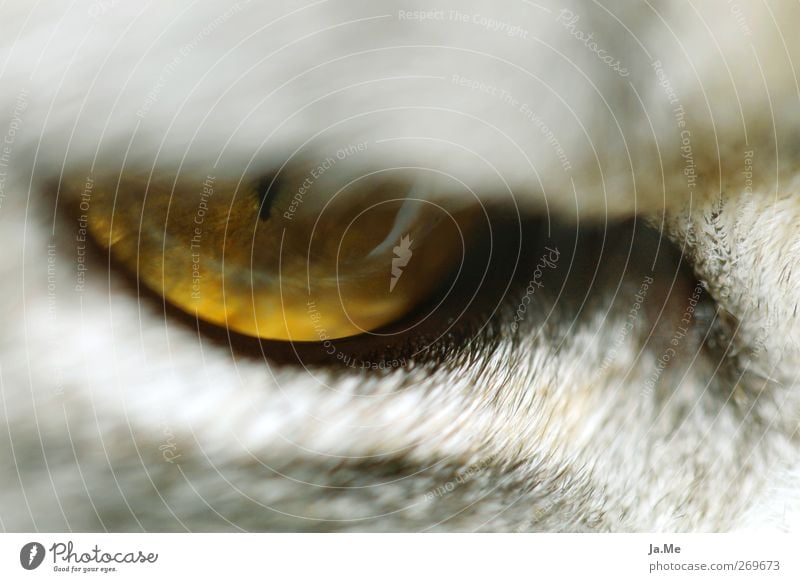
x=608, y=344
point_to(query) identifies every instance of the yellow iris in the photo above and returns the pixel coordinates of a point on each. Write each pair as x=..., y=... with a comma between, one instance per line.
x=276, y=260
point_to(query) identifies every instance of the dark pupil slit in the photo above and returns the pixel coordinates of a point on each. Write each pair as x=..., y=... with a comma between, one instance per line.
x=267, y=190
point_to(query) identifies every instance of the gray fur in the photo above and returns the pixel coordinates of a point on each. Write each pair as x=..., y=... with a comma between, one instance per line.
x=122, y=417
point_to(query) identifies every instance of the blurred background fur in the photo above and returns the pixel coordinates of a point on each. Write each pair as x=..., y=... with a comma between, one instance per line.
x=120, y=415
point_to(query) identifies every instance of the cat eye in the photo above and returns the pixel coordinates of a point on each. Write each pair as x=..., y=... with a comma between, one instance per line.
x=282, y=257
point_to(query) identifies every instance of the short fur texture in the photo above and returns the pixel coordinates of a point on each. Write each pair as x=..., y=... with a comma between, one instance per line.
x=122, y=417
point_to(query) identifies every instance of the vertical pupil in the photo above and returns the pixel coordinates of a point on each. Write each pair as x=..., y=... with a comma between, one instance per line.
x=267, y=190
